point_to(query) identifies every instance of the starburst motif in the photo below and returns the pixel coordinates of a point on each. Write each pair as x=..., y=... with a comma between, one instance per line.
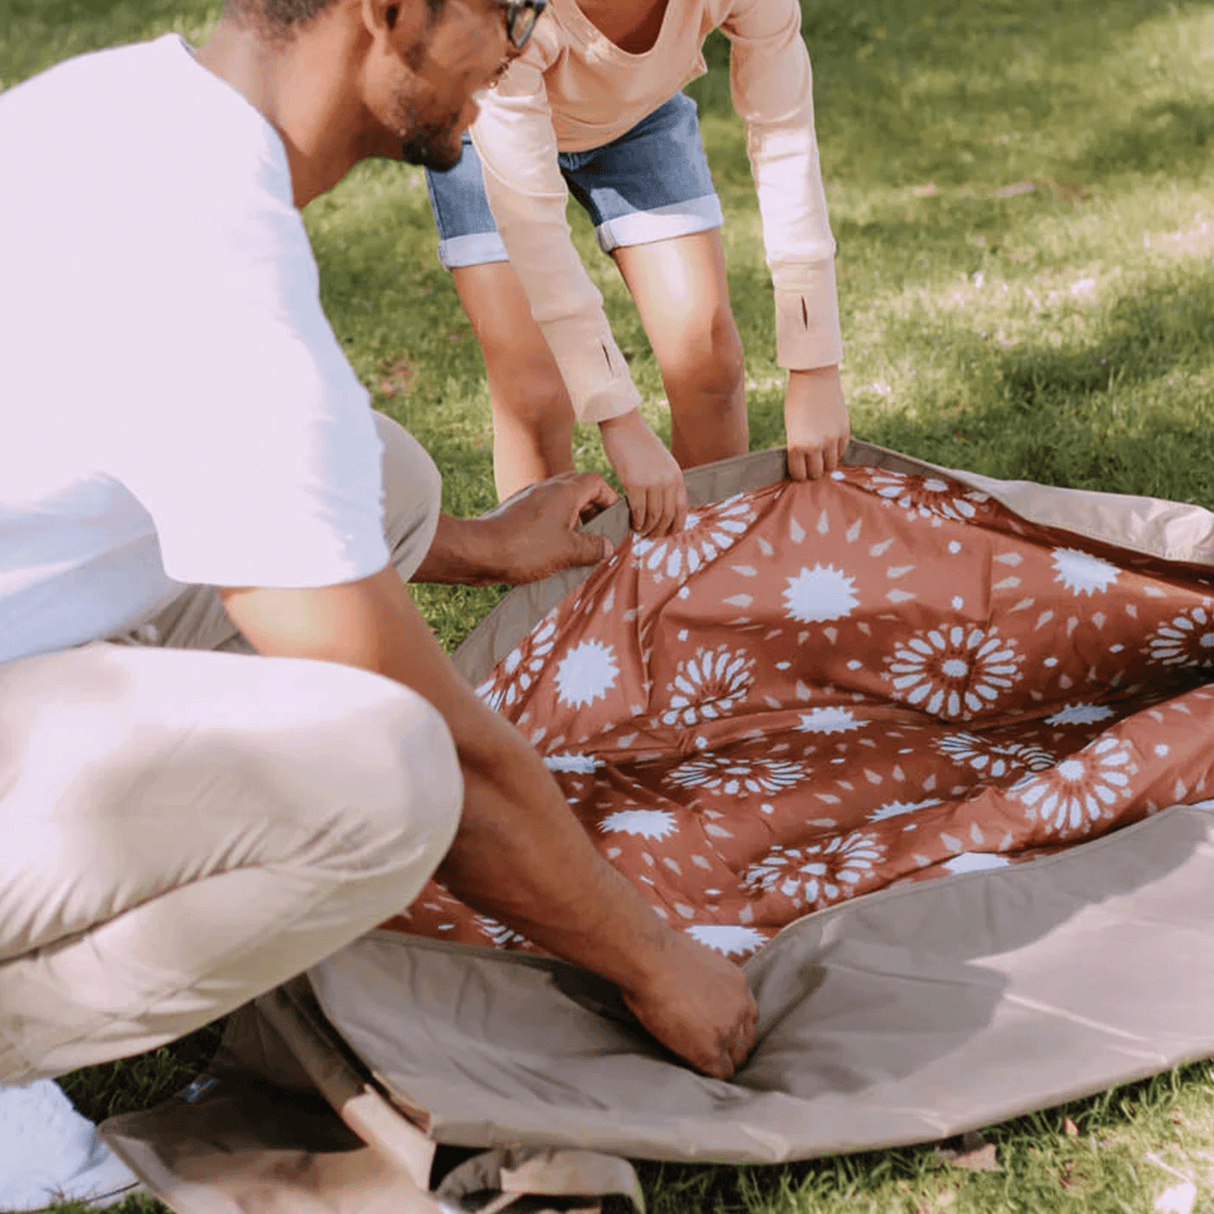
x=896, y=809
x=737, y=777
x=706, y=533
x=929, y=496
x=708, y=686
x=567, y=761
x=818, y=874
x=730, y=939
x=819, y=594
x=1081, y=789
x=992, y=759
x=641, y=823
x=1080, y=714
x=955, y=672
x=831, y=719
x=518, y=670
x=586, y=673
x=1082, y=573
x=1187, y=640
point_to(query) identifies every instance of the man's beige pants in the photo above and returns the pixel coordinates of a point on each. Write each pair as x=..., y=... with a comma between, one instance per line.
x=182, y=829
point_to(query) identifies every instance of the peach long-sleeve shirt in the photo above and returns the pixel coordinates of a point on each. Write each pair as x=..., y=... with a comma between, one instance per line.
x=573, y=90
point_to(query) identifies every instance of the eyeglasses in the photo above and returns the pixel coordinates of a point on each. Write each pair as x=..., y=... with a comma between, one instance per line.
x=521, y=16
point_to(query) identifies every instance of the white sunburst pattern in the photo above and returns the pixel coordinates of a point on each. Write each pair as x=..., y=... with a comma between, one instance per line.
x=955, y=672
x=899, y=809
x=737, y=777
x=1082, y=573
x=729, y=939
x=1081, y=789
x=829, y=719
x=516, y=673
x=822, y=593
x=586, y=673
x=993, y=759
x=1080, y=714
x=568, y=761
x=707, y=533
x=709, y=685
x=656, y=824
x=928, y=496
x=818, y=874
x=1186, y=641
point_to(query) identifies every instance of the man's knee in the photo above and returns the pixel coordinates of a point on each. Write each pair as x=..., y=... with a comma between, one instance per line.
x=412, y=495
x=389, y=792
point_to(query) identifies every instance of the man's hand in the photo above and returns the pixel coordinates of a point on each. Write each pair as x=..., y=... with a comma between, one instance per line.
x=530, y=535
x=538, y=527
x=652, y=480
x=698, y=1005
x=815, y=422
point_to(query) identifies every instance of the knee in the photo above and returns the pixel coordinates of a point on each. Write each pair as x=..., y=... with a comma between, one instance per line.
x=532, y=395
x=360, y=772
x=707, y=360
x=413, y=490
x=402, y=785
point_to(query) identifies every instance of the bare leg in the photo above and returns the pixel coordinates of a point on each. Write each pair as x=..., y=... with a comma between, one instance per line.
x=682, y=295
x=532, y=416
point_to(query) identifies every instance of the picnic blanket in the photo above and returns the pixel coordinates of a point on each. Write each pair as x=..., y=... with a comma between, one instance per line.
x=819, y=690
x=927, y=753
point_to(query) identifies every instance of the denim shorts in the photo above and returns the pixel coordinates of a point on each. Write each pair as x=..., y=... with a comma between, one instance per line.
x=652, y=183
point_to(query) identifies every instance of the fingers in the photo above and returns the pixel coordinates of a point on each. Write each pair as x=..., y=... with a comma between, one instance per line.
x=594, y=494
x=681, y=506
x=638, y=505
x=590, y=549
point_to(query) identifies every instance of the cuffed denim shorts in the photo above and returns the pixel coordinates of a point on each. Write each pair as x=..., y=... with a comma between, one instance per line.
x=652, y=183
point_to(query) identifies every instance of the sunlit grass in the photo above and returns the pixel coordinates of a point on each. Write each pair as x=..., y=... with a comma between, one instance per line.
x=1023, y=197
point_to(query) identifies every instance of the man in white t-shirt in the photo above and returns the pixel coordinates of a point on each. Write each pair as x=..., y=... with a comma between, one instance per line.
x=182, y=828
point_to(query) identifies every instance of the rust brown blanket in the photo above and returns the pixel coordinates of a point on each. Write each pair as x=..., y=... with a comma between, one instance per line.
x=818, y=690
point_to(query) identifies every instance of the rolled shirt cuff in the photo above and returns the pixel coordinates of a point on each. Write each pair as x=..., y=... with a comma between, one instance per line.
x=807, y=316
x=592, y=367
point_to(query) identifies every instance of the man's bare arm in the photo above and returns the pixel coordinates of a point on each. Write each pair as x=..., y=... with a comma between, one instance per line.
x=519, y=855
x=526, y=538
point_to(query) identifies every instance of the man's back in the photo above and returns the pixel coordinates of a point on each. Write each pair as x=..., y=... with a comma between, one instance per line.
x=159, y=327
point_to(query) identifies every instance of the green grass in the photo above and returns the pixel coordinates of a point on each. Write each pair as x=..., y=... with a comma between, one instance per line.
x=1023, y=196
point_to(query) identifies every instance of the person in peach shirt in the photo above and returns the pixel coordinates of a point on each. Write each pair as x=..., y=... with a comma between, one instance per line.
x=594, y=106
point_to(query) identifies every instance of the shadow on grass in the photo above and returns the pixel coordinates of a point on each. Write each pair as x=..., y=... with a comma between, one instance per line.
x=935, y=90
x=725, y=1189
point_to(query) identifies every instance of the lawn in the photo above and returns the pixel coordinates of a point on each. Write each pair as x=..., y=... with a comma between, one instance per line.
x=1023, y=196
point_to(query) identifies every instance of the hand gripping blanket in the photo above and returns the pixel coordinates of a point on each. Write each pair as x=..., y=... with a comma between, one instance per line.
x=927, y=753
x=819, y=690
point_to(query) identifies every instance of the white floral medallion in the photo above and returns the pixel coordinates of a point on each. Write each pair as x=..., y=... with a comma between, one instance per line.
x=955, y=673
x=708, y=686
x=817, y=874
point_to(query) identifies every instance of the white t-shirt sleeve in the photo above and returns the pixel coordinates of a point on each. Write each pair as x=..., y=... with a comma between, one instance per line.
x=259, y=464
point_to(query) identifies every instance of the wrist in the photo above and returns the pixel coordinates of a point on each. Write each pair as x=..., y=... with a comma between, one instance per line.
x=467, y=552
x=622, y=423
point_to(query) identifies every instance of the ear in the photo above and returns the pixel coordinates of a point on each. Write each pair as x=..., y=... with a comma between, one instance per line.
x=382, y=17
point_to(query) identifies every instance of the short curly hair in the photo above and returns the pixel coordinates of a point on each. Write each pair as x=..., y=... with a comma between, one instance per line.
x=283, y=16
x=278, y=13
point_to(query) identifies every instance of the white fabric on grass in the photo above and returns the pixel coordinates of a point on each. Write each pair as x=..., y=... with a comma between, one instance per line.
x=49, y=1152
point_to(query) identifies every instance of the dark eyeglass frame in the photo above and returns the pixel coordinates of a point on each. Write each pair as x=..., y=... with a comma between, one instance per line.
x=521, y=16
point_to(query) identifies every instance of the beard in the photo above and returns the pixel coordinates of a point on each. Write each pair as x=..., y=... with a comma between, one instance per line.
x=435, y=147
x=431, y=145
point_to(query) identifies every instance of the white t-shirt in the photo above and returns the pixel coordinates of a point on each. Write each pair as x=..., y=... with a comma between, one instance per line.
x=174, y=406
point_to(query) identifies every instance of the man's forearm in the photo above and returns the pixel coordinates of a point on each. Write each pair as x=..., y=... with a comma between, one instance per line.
x=465, y=552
